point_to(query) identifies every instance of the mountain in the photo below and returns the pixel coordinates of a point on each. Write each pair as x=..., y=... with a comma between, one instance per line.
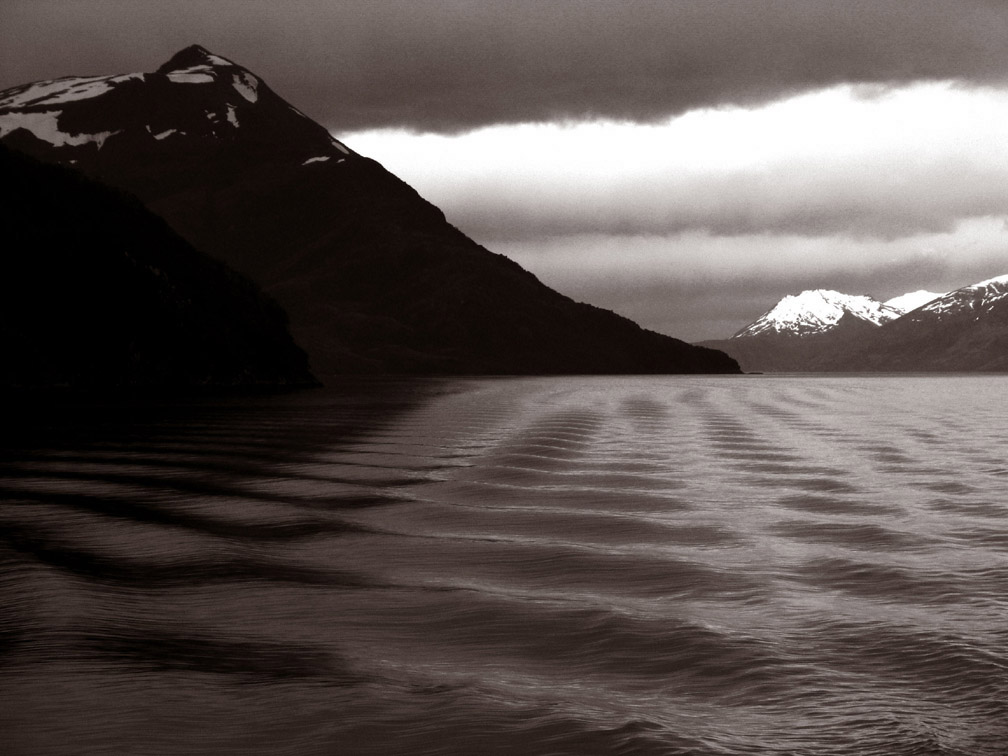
x=966, y=329
x=803, y=332
x=97, y=293
x=912, y=300
x=963, y=330
x=817, y=311
x=975, y=302
x=373, y=277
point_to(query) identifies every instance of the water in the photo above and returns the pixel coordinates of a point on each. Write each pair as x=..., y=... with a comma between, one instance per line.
x=744, y=565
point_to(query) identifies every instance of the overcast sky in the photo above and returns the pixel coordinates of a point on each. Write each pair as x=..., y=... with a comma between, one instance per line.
x=684, y=163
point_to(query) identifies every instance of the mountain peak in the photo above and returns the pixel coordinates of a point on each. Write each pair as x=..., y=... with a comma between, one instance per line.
x=191, y=57
x=913, y=299
x=197, y=101
x=815, y=311
x=374, y=278
x=974, y=299
x=992, y=281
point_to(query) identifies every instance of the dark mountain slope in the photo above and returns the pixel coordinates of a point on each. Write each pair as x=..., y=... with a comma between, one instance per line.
x=966, y=329
x=821, y=351
x=373, y=277
x=97, y=292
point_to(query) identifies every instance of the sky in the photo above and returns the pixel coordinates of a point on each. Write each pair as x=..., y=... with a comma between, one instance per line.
x=686, y=163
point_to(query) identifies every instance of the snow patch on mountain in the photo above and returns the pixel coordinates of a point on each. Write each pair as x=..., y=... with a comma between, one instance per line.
x=246, y=85
x=912, y=300
x=44, y=125
x=217, y=60
x=60, y=91
x=57, y=91
x=194, y=75
x=81, y=91
x=319, y=159
x=997, y=281
x=816, y=311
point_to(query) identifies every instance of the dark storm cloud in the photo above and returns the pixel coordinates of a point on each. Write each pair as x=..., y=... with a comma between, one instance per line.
x=454, y=64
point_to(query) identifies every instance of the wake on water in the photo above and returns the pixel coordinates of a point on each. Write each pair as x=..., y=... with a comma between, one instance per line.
x=669, y=565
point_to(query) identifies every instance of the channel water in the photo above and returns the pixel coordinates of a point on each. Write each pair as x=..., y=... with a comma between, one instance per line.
x=801, y=565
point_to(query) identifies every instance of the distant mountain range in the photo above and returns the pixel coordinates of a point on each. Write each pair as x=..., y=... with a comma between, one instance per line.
x=822, y=330
x=373, y=277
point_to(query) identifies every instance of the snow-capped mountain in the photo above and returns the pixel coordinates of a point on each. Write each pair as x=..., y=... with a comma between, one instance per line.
x=963, y=330
x=372, y=276
x=817, y=311
x=973, y=301
x=912, y=300
x=195, y=96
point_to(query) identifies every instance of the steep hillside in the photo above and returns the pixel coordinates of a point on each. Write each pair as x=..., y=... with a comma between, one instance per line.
x=373, y=277
x=97, y=292
x=966, y=329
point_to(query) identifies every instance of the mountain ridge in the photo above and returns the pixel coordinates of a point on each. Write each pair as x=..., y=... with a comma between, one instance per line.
x=965, y=329
x=373, y=277
x=913, y=299
x=976, y=297
x=816, y=311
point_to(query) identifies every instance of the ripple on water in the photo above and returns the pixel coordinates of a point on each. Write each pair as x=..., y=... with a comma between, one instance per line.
x=640, y=565
x=862, y=536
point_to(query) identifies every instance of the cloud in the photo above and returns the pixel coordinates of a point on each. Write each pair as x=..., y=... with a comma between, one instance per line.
x=453, y=65
x=698, y=286
x=916, y=159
